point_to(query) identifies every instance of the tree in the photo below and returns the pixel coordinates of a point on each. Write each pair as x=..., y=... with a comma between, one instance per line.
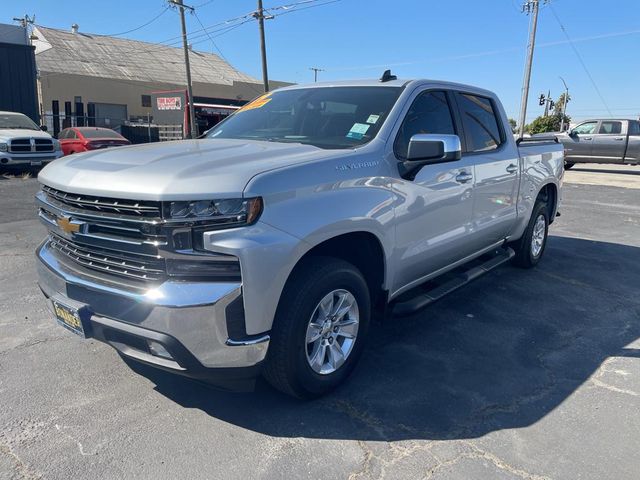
x=513, y=124
x=550, y=123
x=559, y=104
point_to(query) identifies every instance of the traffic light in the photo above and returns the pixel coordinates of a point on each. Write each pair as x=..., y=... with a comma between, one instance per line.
x=551, y=104
x=542, y=100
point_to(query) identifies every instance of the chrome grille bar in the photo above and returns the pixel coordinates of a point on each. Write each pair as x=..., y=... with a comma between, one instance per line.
x=108, y=205
x=130, y=265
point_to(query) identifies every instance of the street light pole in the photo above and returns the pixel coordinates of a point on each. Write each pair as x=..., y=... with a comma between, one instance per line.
x=193, y=130
x=529, y=6
x=564, y=104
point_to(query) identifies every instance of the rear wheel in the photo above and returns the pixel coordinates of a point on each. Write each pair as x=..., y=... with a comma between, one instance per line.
x=530, y=248
x=320, y=328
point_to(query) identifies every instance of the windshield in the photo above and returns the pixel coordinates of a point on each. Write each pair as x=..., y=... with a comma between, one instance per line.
x=326, y=117
x=17, y=120
x=100, y=133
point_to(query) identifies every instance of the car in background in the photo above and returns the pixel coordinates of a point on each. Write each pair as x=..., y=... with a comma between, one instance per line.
x=607, y=140
x=83, y=139
x=25, y=144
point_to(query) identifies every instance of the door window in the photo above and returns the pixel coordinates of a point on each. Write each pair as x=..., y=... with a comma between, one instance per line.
x=71, y=134
x=634, y=128
x=480, y=123
x=587, y=128
x=429, y=113
x=612, y=128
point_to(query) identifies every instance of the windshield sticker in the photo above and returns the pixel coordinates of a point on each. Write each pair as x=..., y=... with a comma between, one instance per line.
x=373, y=119
x=259, y=102
x=358, y=130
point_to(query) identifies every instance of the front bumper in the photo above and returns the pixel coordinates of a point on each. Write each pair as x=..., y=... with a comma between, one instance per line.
x=189, y=320
x=27, y=159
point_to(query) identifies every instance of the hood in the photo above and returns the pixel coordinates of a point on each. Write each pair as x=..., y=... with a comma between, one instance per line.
x=8, y=133
x=181, y=170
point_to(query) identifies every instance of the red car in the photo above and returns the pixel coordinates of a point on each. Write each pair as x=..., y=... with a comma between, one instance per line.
x=82, y=139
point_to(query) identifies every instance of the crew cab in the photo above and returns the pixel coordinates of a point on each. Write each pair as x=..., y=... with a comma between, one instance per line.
x=602, y=141
x=267, y=246
x=23, y=143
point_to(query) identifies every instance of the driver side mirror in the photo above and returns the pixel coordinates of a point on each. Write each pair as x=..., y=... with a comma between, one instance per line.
x=427, y=148
x=44, y=128
x=572, y=133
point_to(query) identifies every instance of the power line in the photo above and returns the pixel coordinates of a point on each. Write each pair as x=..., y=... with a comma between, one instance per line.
x=584, y=66
x=219, y=51
x=141, y=26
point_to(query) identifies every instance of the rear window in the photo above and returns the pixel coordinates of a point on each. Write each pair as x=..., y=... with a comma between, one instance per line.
x=100, y=133
x=634, y=128
x=480, y=122
x=613, y=128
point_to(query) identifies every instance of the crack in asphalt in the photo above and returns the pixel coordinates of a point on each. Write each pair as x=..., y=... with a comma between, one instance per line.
x=29, y=344
x=596, y=380
x=477, y=453
x=22, y=469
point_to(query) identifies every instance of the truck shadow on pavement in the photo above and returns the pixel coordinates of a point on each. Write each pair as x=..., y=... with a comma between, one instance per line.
x=500, y=353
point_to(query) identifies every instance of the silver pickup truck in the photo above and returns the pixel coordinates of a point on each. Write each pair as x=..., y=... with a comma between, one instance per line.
x=267, y=246
x=602, y=141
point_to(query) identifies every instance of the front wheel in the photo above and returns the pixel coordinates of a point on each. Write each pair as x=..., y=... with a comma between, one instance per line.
x=530, y=247
x=568, y=165
x=320, y=328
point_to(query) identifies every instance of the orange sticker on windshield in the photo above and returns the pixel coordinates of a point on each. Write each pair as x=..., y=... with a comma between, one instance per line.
x=259, y=102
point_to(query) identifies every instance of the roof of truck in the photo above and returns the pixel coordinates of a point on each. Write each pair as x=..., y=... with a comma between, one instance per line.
x=399, y=82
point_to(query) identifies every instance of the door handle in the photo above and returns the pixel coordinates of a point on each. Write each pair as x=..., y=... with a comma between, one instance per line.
x=587, y=138
x=512, y=168
x=463, y=177
x=619, y=139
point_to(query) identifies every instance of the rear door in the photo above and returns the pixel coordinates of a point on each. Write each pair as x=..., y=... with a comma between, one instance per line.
x=496, y=168
x=610, y=143
x=434, y=211
x=579, y=144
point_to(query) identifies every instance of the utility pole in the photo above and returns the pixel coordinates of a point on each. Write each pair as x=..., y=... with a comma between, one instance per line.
x=564, y=104
x=193, y=130
x=530, y=6
x=547, y=103
x=25, y=22
x=315, y=72
x=260, y=16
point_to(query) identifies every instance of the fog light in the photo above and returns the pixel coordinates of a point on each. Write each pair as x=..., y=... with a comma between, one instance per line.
x=157, y=350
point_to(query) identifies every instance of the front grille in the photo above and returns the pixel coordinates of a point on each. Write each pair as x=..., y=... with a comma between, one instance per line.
x=146, y=209
x=30, y=145
x=128, y=265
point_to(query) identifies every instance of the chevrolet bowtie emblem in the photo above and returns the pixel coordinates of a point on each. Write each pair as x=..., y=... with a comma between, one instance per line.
x=67, y=225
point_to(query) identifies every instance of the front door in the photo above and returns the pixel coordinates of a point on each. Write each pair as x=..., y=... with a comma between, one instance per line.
x=609, y=144
x=579, y=144
x=433, y=213
x=496, y=169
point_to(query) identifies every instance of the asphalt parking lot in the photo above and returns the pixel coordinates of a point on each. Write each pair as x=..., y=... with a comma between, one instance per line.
x=520, y=375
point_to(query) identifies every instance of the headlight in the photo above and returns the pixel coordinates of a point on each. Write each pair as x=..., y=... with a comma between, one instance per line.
x=56, y=145
x=227, y=212
x=3, y=147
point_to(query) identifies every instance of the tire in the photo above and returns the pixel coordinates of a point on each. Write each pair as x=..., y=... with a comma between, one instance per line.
x=528, y=255
x=288, y=366
x=568, y=165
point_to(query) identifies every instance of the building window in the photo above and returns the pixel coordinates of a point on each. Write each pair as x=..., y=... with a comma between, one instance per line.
x=146, y=101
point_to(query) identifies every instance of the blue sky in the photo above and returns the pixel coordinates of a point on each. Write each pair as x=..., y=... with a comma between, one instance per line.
x=481, y=42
